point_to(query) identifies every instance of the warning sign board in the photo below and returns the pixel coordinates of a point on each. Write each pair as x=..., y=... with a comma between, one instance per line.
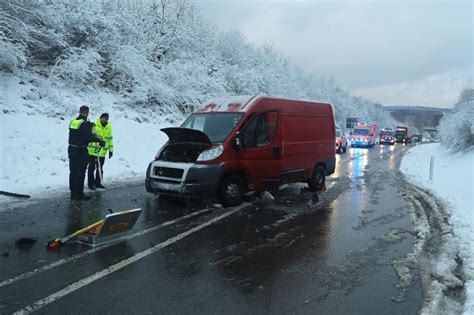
x=119, y=222
x=114, y=228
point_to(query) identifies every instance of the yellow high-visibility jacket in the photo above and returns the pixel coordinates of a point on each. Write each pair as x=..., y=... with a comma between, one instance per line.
x=106, y=134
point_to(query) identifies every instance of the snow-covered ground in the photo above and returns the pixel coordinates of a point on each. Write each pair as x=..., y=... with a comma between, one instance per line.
x=34, y=118
x=453, y=181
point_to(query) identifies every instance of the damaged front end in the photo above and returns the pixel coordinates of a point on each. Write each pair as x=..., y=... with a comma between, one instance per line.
x=184, y=145
x=174, y=170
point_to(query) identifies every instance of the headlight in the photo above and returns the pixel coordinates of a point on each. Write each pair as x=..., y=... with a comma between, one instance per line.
x=211, y=154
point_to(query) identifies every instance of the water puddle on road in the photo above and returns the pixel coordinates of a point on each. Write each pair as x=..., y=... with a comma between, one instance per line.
x=269, y=235
x=349, y=242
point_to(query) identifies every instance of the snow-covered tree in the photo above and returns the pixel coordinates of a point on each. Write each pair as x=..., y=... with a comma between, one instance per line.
x=160, y=54
x=457, y=129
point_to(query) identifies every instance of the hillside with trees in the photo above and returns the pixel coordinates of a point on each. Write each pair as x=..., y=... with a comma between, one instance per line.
x=159, y=55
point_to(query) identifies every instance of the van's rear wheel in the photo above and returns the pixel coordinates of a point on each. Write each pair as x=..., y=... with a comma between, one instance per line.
x=231, y=191
x=318, y=180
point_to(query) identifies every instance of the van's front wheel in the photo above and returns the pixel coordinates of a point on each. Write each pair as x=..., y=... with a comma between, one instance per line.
x=318, y=180
x=231, y=191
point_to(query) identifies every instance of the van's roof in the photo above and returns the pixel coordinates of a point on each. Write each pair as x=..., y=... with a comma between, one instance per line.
x=362, y=125
x=226, y=104
x=239, y=103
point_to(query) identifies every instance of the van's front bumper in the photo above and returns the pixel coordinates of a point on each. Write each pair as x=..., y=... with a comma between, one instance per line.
x=359, y=144
x=196, y=181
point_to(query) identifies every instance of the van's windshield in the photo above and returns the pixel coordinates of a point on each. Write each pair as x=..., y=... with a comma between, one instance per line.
x=216, y=126
x=361, y=132
x=386, y=133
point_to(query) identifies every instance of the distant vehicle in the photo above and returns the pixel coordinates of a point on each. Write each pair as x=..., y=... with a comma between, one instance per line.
x=364, y=135
x=341, y=141
x=235, y=145
x=385, y=130
x=401, y=134
x=387, y=136
x=416, y=137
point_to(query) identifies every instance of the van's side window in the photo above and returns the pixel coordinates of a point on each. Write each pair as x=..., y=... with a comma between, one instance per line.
x=261, y=130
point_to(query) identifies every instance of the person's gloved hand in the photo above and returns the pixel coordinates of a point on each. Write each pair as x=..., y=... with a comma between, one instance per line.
x=102, y=143
x=110, y=154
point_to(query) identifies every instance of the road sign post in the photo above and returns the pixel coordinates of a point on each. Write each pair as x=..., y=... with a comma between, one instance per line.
x=351, y=122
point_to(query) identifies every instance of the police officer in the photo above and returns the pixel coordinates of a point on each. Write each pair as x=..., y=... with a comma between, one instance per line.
x=81, y=132
x=97, y=153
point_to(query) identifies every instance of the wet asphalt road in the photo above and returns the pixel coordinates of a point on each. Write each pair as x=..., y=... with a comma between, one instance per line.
x=289, y=255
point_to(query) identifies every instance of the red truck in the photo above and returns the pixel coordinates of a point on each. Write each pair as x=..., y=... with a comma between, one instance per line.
x=234, y=145
x=364, y=135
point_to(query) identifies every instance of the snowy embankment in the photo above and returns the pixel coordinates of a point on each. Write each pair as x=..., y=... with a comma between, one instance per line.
x=453, y=181
x=34, y=119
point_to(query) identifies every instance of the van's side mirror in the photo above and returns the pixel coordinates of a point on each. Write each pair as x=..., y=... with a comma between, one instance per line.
x=239, y=140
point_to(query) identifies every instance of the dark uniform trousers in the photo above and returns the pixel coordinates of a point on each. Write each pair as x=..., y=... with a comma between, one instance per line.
x=93, y=166
x=78, y=159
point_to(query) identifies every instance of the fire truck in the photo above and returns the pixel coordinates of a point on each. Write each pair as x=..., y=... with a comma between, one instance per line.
x=364, y=135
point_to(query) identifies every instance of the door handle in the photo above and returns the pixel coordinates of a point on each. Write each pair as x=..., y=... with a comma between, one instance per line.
x=276, y=151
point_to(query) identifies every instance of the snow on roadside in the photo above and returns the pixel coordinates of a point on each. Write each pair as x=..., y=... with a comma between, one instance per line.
x=453, y=181
x=34, y=133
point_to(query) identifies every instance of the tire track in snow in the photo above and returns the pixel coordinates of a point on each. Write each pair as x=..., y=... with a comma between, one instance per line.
x=436, y=252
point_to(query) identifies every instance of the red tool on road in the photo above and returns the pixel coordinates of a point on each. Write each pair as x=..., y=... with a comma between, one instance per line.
x=53, y=245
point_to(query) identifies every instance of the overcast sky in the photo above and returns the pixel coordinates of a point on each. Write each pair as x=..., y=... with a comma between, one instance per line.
x=392, y=52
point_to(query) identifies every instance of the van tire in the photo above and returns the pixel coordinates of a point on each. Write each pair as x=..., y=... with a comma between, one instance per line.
x=318, y=179
x=231, y=191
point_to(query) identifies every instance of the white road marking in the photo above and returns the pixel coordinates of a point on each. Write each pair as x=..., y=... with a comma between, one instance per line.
x=60, y=262
x=122, y=264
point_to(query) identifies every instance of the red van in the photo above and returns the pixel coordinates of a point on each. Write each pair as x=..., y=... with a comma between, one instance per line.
x=234, y=145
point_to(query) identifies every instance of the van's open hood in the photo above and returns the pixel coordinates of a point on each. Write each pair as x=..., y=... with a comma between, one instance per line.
x=183, y=135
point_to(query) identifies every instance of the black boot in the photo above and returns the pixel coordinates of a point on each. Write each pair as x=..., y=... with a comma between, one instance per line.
x=91, y=187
